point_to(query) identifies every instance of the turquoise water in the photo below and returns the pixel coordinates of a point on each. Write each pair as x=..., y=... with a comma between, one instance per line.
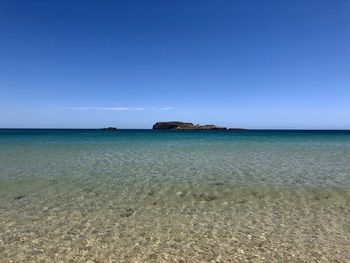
x=155, y=196
x=250, y=157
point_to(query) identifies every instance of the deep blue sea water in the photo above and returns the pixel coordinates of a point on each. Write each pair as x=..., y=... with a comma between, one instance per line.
x=164, y=194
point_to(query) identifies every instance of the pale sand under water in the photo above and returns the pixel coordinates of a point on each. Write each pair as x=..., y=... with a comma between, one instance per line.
x=76, y=222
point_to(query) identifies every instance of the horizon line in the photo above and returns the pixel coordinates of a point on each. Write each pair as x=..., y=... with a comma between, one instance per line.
x=228, y=129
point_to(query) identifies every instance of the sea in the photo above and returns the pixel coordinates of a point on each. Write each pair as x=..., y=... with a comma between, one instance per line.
x=174, y=196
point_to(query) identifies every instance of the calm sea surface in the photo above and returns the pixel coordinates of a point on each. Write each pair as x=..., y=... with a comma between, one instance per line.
x=174, y=196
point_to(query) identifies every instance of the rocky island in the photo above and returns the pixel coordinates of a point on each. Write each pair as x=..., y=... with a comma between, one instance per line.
x=109, y=129
x=178, y=125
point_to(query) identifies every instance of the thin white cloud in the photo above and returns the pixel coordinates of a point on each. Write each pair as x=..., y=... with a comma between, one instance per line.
x=117, y=108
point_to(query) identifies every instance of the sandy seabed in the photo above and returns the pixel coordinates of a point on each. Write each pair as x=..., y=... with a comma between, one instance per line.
x=78, y=221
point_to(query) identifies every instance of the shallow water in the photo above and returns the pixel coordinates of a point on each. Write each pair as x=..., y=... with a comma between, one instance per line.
x=157, y=196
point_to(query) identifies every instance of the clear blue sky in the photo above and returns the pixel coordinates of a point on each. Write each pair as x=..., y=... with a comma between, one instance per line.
x=252, y=64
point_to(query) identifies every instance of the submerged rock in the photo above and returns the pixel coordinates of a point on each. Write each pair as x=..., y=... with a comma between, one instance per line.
x=218, y=183
x=18, y=197
x=178, y=125
x=204, y=197
x=127, y=212
x=257, y=195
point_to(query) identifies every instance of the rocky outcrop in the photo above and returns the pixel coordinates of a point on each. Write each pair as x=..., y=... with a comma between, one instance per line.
x=178, y=125
x=171, y=125
x=109, y=129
